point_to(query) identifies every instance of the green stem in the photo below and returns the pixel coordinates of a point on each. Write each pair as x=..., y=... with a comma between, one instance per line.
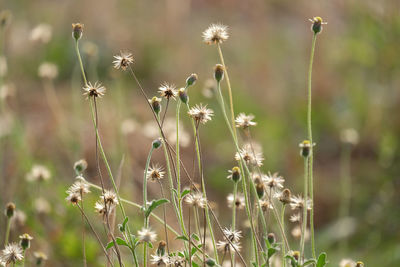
x=283, y=227
x=178, y=163
x=304, y=218
x=80, y=61
x=309, y=129
x=234, y=218
x=146, y=218
x=7, y=231
x=206, y=208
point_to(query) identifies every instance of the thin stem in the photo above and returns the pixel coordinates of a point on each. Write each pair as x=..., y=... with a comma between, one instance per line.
x=283, y=227
x=235, y=185
x=146, y=218
x=83, y=234
x=7, y=231
x=80, y=61
x=309, y=129
x=304, y=219
x=164, y=216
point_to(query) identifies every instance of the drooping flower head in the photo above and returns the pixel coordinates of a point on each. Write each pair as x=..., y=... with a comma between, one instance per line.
x=96, y=90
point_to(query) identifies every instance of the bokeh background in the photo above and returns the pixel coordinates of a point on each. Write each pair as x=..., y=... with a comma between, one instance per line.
x=355, y=85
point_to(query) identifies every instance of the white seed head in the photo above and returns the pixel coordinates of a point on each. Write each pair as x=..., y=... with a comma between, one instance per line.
x=215, y=34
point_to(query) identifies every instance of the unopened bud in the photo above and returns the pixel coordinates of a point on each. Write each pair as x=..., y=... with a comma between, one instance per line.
x=235, y=174
x=359, y=264
x=80, y=166
x=161, y=248
x=260, y=190
x=157, y=143
x=156, y=104
x=10, y=209
x=191, y=79
x=317, y=23
x=305, y=148
x=25, y=241
x=210, y=262
x=77, y=30
x=271, y=238
x=183, y=95
x=219, y=72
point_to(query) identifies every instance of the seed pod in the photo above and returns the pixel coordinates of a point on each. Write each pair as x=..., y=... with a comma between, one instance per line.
x=219, y=72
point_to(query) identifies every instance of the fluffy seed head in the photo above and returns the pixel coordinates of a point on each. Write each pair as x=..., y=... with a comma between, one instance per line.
x=196, y=200
x=79, y=187
x=12, y=253
x=201, y=114
x=155, y=173
x=96, y=90
x=239, y=202
x=77, y=30
x=298, y=203
x=110, y=198
x=123, y=60
x=245, y=121
x=273, y=181
x=38, y=173
x=73, y=198
x=232, y=235
x=215, y=34
x=146, y=235
x=167, y=90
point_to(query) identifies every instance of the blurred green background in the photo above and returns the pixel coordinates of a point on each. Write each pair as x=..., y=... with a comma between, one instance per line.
x=355, y=85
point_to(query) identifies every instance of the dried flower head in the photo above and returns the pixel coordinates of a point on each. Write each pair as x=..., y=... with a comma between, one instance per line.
x=265, y=204
x=226, y=246
x=146, y=235
x=77, y=30
x=239, y=202
x=12, y=253
x=168, y=90
x=157, y=260
x=250, y=155
x=298, y=203
x=123, y=60
x=10, y=209
x=110, y=198
x=96, y=90
x=48, y=71
x=295, y=217
x=38, y=173
x=196, y=200
x=284, y=196
x=273, y=181
x=41, y=33
x=317, y=23
x=215, y=34
x=79, y=187
x=155, y=173
x=25, y=241
x=232, y=235
x=245, y=121
x=74, y=198
x=201, y=114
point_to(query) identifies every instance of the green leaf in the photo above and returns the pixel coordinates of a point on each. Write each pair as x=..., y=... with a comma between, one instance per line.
x=195, y=264
x=122, y=226
x=154, y=204
x=119, y=241
x=309, y=262
x=110, y=245
x=321, y=260
x=292, y=260
x=195, y=237
x=194, y=250
x=182, y=237
x=185, y=192
x=150, y=245
x=271, y=251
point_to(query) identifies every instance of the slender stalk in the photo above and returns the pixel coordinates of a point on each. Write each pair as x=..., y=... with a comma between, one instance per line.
x=309, y=129
x=305, y=217
x=83, y=234
x=283, y=227
x=233, y=263
x=146, y=218
x=7, y=231
x=165, y=217
x=344, y=210
x=80, y=61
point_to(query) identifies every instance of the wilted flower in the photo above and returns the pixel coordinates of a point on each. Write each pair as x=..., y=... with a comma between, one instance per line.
x=160, y=260
x=48, y=71
x=201, y=114
x=239, y=202
x=155, y=173
x=273, y=181
x=232, y=235
x=167, y=90
x=38, y=173
x=146, y=235
x=215, y=34
x=11, y=254
x=297, y=203
x=244, y=121
x=96, y=90
x=196, y=200
x=41, y=33
x=123, y=60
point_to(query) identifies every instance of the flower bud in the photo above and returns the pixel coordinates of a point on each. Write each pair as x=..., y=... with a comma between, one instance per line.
x=271, y=238
x=296, y=255
x=25, y=241
x=183, y=95
x=305, y=148
x=219, y=72
x=191, y=79
x=235, y=174
x=161, y=248
x=10, y=209
x=260, y=190
x=285, y=196
x=317, y=23
x=80, y=166
x=359, y=264
x=156, y=143
x=155, y=104
x=77, y=30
